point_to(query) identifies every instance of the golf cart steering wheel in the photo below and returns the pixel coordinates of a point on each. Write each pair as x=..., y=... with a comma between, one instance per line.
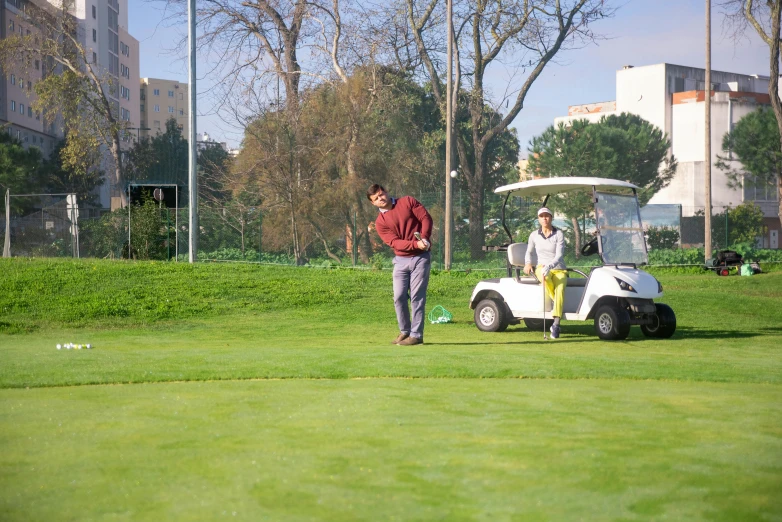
x=590, y=248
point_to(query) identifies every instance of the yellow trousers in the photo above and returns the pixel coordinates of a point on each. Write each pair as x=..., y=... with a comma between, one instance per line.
x=556, y=281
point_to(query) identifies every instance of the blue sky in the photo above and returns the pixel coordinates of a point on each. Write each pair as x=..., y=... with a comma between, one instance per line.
x=643, y=32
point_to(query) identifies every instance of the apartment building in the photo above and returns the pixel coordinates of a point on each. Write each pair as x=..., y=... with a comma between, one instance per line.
x=103, y=33
x=161, y=100
x=17, y=94
x=672, y=97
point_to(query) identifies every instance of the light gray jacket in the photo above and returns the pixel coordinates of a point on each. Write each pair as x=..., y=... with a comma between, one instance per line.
x=550, y=250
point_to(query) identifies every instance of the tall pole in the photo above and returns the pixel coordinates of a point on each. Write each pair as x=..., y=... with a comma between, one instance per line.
x=192, y=170
x=7, y=240
x=449, y=142
x=707, y=150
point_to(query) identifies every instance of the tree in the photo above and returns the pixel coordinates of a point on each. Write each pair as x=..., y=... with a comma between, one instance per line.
x=486, y=32
x=160, y=159
x=754, y=142
x=73, y=89
x=62, y=177
x=765, y=17
x=623, y=146
x=21, y=170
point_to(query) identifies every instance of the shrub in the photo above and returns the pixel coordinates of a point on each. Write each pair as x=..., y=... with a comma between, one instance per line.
x=662, y=237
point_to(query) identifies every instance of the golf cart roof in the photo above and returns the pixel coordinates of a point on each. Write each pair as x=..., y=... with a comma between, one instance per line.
x=544, y=186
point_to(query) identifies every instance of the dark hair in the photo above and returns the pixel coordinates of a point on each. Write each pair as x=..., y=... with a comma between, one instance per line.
x=371, y=191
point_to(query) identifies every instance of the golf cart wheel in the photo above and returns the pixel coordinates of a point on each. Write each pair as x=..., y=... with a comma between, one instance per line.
x=663, y=325
x=536, y=325
x=490, y=316
x=612, y=323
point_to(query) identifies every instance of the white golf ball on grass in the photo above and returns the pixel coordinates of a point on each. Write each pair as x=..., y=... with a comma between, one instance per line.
x=59, y=347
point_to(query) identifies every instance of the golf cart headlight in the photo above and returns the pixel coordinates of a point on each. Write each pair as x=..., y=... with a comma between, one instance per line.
x=625, y=286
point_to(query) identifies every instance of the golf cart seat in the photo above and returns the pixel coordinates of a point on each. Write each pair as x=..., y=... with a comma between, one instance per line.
x=516, y=253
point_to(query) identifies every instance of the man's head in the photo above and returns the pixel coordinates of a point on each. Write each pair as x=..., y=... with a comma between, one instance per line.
x=379, y=197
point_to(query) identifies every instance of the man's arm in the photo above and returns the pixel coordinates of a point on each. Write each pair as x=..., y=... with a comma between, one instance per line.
x=390, y=238
x=420, y=212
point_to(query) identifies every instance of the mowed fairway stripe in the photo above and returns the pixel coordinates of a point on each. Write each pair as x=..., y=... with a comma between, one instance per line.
x=422, y=449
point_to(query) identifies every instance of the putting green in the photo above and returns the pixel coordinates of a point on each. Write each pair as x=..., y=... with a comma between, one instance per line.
x=407, y=449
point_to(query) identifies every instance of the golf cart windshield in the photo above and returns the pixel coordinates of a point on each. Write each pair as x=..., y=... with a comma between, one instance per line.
x=620, y=230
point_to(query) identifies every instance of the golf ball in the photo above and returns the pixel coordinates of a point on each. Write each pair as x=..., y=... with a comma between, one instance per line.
x=89, y=346
x=78, y=347
x=67, y=346
x=59, y=347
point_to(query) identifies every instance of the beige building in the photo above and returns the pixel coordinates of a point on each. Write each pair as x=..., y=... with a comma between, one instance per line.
x=161, y=100
x=103, y=33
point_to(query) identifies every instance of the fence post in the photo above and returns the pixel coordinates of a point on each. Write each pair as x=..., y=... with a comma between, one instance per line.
x=726, y=228
x=355, y=243
x=260, y=233
x=7, y=240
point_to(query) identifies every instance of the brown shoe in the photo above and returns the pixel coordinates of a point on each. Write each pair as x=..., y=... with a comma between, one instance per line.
x=401, y=337
x=410, y=341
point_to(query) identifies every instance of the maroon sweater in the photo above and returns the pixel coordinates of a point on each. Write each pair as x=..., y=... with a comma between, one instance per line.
x=397, y=226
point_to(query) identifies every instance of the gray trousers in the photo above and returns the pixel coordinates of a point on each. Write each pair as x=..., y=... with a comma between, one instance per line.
x=411, y=279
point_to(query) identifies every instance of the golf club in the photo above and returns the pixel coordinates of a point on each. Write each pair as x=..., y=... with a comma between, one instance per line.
x=545, y=337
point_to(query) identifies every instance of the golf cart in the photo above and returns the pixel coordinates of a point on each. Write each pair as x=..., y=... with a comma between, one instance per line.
x=615, y=295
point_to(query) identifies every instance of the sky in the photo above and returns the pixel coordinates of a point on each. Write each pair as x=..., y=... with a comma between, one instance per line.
x=642, y=32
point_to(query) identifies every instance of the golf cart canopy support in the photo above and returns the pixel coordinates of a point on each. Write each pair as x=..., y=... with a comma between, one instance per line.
x=543, y=187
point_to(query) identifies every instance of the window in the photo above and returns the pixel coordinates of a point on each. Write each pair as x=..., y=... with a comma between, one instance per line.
x=21, y=109
x=181, y=112
x=94, y=57
x=157, y=108
x=181, y=96
x=94, y=35
x=10, y=25
x=29, y=85
x=142, y=107
x=13, y=106
x=13, y=79
x=29, y=112
x=94, y=12
x=170, y=94
x=156, y=92
x=759, y=190
x=38, y=117
x=170, y=110
x=37, y=65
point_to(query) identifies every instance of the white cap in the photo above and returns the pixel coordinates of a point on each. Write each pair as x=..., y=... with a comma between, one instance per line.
x=545, y=210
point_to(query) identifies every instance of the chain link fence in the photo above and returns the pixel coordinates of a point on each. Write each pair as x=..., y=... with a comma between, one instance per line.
x=153, y=230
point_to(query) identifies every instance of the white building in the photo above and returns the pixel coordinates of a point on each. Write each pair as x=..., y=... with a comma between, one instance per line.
x=103, y=34
x=672, y=97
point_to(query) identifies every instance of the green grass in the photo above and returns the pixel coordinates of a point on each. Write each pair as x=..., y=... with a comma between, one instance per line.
x=263, y=393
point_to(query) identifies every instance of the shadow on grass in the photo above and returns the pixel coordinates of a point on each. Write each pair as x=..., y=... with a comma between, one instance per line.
x=682, y=332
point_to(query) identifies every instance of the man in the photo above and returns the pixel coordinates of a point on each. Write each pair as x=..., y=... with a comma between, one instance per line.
x=406, y=226
x=549, y=242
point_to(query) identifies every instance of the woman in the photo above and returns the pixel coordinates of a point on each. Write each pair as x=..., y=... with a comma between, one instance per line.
x=549, y=243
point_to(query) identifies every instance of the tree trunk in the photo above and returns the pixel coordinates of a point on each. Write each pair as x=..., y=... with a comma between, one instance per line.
x=577, y=230
x=477, y=235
